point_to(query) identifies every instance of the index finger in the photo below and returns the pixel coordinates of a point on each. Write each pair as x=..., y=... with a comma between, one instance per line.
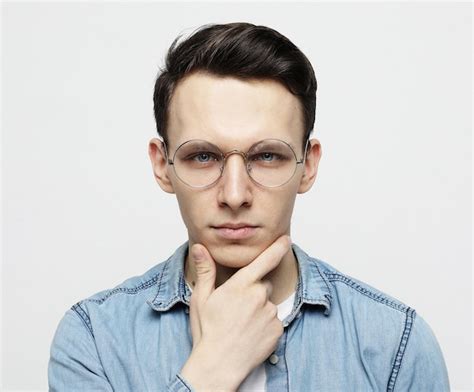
x=268, y=260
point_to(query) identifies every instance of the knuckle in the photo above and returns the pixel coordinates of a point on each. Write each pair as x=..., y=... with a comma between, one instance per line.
x=261, y=295
x=266, y=290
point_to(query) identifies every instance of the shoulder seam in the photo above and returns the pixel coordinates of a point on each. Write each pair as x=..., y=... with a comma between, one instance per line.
x=409, y=319
x=128, y=290
x=82, y=314
x=77, y=308
x=376, y=297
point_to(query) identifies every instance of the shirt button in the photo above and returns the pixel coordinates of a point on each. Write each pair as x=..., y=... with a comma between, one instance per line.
x=273, y=359
x=186, y=310
x=298, y=315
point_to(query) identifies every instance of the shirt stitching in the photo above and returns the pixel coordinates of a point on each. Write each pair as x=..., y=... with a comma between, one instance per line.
x=128, y=290
x=133, y=290
x=410, y=315
x=377, y=297
x=161, y=278
x=183, y=382
x=83, y=316
x=325, y=282
x=286, y=362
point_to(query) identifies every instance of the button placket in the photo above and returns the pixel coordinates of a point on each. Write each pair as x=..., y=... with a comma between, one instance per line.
x=276, y=368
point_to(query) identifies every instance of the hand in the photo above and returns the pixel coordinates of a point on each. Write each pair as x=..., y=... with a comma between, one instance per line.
x=234, y=327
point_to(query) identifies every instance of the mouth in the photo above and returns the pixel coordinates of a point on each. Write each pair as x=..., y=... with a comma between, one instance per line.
x=237, y=233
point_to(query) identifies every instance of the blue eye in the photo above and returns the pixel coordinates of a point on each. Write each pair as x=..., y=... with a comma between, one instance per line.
x=209, y=156
x=267, y=157
x=267, y=154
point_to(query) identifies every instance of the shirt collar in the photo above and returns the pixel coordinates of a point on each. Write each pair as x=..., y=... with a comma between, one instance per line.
x=312, y=287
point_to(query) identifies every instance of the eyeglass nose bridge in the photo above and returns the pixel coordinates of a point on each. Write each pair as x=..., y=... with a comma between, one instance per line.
x=235, y=151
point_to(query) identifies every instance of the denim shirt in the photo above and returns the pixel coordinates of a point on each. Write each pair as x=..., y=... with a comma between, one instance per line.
x=341, y=335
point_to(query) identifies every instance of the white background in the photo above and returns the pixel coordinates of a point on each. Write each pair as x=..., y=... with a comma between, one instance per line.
x=82, y=212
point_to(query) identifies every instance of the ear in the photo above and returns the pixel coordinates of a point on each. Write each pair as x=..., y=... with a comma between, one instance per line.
x=313, y=155
x=158, y=157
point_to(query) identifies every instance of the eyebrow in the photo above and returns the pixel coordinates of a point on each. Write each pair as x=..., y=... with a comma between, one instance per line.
x=258, y=141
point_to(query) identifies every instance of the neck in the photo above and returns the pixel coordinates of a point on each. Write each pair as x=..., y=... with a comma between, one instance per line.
x=283, y=278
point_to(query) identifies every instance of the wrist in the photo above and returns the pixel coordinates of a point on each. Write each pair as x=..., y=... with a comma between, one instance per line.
x=207, y=372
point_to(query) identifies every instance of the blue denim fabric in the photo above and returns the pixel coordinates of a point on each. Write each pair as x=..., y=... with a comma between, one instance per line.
x=342, y=335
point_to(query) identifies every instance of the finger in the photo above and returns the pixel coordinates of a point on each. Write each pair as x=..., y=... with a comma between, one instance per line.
x=268, y=286
x=194, y=322
x=268, y=260
x=205, y=268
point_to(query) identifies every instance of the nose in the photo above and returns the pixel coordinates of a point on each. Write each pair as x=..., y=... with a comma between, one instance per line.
x=235, y=186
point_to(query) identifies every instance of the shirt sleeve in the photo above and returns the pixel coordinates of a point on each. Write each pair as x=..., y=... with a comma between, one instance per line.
x=422, y=367
x=75, y=366
x=179, y=384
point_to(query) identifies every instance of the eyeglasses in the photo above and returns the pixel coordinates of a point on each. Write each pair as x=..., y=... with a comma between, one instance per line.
x=269, y=162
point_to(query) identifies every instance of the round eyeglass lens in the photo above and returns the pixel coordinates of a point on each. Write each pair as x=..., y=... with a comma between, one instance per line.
x=271, y=163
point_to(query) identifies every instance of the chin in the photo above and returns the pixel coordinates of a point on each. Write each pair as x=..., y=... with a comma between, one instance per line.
x=235, y=255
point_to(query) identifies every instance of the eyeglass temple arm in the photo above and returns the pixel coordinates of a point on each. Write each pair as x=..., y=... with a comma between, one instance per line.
x=304, y=155
x=170, y=162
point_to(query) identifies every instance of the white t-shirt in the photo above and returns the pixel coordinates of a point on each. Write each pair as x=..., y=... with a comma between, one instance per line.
x=255, y=381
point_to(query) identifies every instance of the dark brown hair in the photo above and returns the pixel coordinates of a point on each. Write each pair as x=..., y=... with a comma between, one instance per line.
x=241, y=50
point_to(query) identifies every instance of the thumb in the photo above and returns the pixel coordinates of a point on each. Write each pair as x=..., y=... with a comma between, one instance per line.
x=205, y=272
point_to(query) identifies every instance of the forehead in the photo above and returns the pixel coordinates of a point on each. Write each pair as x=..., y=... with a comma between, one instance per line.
x=232, y=112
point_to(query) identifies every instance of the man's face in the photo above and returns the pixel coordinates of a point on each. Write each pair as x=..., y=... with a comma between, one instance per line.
x=234, y=114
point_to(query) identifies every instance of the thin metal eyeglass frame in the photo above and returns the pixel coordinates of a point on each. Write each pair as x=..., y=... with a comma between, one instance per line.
x=224, y=157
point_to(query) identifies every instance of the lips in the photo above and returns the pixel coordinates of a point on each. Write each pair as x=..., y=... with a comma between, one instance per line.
x=238, y=232
x=239, y=225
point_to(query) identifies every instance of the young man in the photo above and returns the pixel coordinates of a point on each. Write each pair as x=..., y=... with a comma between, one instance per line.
x=238, y=306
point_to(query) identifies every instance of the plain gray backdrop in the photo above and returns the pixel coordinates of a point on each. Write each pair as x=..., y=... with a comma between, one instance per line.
x=82, y=212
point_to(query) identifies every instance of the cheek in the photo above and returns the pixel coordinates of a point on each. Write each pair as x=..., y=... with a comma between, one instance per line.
x=284, y=209
x=195, y=208
x=276, y=208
